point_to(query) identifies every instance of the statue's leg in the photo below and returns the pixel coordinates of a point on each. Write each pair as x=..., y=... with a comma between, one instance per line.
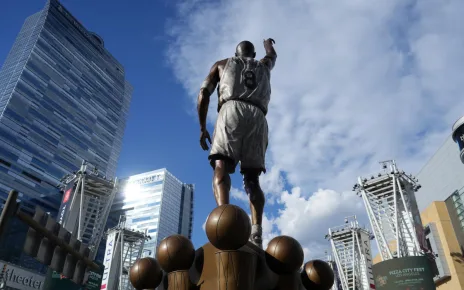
x=221, y=182
x=257, y=201
x=252, y=163
x=223, y=157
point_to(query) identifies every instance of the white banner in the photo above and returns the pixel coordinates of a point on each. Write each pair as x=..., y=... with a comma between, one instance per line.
x=366, y=251
x=109, y=251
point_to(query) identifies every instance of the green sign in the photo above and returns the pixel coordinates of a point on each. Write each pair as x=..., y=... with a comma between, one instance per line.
x=56, y=281
x=409, y=273
x=95, y=278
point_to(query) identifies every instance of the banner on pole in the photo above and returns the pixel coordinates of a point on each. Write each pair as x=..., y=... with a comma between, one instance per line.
x=109, y=251
x=64, y=210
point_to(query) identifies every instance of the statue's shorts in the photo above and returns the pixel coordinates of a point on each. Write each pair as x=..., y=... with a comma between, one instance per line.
x=240, y=135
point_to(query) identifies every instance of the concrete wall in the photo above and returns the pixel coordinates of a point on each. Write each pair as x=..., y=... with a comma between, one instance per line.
x=441, y=175
x=437, y=213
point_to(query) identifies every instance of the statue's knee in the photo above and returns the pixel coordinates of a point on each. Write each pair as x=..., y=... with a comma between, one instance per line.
x=258, y=199
x=256, y=195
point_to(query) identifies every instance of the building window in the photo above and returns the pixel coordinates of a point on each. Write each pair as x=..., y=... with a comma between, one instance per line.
x=36, y=179
x=8, y=164
x=141, y=219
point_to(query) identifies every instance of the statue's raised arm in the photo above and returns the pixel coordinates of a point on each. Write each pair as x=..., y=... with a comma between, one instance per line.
x=271, y=55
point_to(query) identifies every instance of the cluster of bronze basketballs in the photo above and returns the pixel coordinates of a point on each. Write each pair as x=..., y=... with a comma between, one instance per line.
x=228, y=228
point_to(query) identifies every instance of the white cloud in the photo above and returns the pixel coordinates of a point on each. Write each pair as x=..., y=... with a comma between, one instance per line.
x=204, y=224
x=307, y=219
x=239, y=195
x=356, y=82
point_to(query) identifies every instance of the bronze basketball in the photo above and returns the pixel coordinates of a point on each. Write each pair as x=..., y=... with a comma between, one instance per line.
x=317, y=275
x=284, y=255
x=175, y=253
x=228, y=227
x=145, y=274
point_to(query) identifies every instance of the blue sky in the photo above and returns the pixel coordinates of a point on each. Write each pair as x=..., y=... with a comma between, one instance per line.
x=356, y=82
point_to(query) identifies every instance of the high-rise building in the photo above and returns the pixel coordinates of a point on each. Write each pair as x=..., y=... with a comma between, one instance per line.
x=63, y=99
x=442, y=175
x=156, y=202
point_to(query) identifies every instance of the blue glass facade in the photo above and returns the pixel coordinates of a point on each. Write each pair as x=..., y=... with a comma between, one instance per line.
x=156, y=202
x=63, y=99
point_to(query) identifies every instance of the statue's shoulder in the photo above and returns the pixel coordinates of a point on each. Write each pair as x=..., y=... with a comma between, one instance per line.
x=222, y=62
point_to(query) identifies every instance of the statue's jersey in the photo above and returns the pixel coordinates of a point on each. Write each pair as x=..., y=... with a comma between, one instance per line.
x=245, y=79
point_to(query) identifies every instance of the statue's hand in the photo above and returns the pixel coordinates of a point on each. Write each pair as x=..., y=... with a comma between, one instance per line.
x=269, y=41
x=204, y=135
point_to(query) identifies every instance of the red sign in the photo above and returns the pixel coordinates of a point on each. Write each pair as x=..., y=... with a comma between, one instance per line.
x=67, y=194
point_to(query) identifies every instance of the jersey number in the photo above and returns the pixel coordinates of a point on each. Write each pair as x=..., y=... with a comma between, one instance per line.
x=250, y=80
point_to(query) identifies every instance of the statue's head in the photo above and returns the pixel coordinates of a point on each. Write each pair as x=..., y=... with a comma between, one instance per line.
x=245, y=49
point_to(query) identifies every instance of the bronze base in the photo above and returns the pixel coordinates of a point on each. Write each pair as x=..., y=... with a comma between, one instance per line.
x=232, y=267
x=180, y=280
x=235, y=270
x=244, y=269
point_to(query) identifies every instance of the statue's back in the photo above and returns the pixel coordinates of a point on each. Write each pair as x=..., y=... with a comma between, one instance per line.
x=245, y=79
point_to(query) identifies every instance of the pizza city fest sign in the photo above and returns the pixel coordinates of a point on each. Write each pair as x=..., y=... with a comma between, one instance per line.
x=409, y=273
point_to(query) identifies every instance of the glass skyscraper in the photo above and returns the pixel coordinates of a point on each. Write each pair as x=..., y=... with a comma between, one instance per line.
x=156, y=202
x=63, y=99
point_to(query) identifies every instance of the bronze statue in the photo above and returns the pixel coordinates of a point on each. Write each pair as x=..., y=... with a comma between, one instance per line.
x=241, y=131
x=233, y=258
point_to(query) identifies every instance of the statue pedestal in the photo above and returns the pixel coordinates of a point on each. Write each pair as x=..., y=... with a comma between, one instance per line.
x=179, y=280
x=235, y=270
x=243, y=267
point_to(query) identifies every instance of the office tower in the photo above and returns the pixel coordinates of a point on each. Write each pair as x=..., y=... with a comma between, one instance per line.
x=63, y=99
x=155, y=202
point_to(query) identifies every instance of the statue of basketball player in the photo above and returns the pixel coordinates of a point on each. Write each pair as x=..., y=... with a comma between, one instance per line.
x=241, y=132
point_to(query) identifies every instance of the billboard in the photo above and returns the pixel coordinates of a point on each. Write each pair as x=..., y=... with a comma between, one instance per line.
x=409, y=273
x=65, y=206
x=19, y=278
